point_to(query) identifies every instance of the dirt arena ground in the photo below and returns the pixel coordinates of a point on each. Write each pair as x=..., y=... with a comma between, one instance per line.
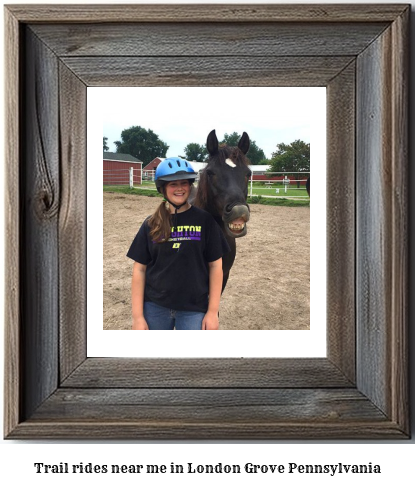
x=269, y=284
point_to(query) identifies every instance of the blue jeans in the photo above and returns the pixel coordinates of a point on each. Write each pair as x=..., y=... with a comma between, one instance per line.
x=161, y=318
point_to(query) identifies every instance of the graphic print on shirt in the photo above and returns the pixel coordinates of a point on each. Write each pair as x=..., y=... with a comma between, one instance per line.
x=185, y=233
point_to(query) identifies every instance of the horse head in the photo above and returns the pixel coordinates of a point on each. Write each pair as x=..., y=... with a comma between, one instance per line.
x=223, y=185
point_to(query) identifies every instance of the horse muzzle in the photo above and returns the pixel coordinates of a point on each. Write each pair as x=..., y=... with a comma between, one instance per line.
x=235, y=221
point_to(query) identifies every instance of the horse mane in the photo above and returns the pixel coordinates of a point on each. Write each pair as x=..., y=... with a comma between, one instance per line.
x=224, y=152
x=201, y=199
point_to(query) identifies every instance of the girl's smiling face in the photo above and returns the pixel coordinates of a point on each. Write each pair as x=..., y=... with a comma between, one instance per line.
x=178, y=191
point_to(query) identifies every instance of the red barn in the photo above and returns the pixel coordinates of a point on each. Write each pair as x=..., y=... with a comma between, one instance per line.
x=151, y=167
x=116, y=169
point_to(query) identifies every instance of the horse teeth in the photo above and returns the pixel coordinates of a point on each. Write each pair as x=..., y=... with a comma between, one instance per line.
x=236, y=226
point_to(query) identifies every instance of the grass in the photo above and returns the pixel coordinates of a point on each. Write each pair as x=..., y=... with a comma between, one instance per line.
x=261, y=190
x=279, y=202
x=262, y=200
x=132, y=191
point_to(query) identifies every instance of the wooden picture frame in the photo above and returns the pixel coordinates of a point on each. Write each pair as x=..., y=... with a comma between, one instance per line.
x=360, y=53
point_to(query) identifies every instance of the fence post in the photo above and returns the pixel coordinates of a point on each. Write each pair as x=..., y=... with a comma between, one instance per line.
x=131, y=177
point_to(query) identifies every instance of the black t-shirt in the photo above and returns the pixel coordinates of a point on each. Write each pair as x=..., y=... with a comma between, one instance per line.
x=177, y=274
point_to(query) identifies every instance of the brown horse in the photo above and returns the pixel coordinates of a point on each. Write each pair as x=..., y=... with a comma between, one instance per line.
x=223, y=190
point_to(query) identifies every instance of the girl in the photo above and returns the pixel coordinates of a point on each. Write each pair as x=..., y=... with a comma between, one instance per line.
x=177, y=274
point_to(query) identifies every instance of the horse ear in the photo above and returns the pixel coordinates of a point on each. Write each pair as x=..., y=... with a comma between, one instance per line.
x=243, y=143
x=212, y=143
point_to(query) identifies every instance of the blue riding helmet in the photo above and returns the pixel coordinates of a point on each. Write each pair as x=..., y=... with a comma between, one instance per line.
x=173, y=169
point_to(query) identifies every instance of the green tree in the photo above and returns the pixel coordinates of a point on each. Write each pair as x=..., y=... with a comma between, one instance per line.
x=255, y=154
x=290, y=158
x=105, y=140
x=141, y=143
x=195, y=152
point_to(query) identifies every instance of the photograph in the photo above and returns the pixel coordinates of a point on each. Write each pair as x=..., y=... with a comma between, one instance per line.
x=260, y=200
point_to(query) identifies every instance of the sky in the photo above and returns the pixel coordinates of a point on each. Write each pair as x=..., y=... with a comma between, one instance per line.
x=181, y=115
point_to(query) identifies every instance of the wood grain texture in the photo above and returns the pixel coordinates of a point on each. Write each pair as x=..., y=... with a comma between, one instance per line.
x=228, y=405
x=400, y=246
x=205, y=71
x=209, y=39
x=205, y=13
x=72, y=222
x=207, y=373
x=40, y=207
x=58, y=392
x=12, y=385
x=373, y=222
x=341, y=237
x=382, y=223
x=163, y=430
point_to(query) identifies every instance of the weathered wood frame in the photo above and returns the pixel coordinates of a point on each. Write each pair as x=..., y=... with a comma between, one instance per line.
x=359, y=52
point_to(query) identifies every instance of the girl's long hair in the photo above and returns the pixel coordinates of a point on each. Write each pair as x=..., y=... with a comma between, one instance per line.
x=160, y=225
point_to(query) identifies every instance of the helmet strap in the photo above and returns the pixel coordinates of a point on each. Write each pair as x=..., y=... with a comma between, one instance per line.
x=177, y=207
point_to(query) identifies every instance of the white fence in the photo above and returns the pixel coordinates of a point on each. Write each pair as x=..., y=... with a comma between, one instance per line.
x=268, y=185
x=279, y=184
x=149, y=175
